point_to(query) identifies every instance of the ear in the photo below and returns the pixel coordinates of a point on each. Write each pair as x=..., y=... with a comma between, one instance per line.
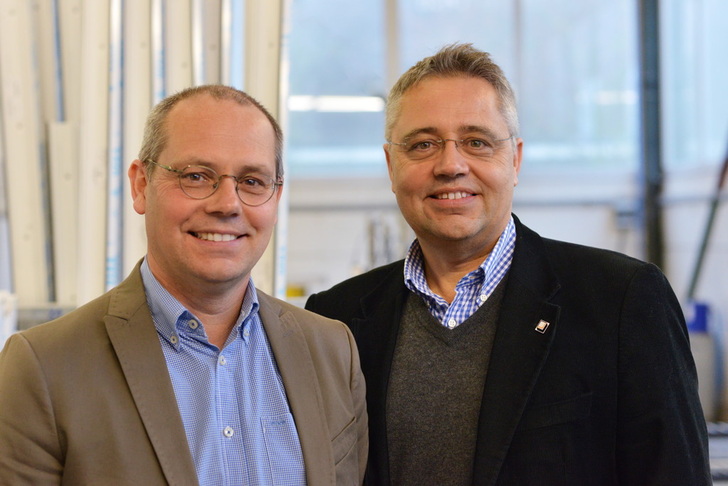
x=517, y=159
x=390, y=170
x=138, y=184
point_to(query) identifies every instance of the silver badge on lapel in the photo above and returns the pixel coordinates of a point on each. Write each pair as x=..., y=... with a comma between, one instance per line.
x=542, y=326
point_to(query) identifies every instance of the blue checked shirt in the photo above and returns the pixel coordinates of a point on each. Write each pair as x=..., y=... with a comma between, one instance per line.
x=239, y=427
x=472, y=290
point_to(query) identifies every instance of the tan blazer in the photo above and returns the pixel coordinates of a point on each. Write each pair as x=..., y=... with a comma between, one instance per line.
x=87, y=399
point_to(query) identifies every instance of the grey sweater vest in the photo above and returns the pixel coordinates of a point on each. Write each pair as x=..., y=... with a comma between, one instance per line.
x=435, y=390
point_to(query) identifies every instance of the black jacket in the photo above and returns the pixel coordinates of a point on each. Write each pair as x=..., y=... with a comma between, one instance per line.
x=606, y=394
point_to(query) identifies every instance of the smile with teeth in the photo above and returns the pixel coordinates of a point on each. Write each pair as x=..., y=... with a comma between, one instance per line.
x=452, y=195
x=215, y=236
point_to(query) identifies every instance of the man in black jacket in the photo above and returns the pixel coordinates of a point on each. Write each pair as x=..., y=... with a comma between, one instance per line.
x=495, y=356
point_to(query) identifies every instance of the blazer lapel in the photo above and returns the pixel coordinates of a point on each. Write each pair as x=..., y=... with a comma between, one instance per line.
x=297, y=371
x=134, y=339
x=376, y=329
x=526, y=328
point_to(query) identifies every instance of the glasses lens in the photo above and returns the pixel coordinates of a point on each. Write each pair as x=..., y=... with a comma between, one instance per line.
x=417, y=148
x=254, y=190
x=198, y=182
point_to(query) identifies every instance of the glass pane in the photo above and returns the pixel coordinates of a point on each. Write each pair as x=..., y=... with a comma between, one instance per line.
x=337, y=88
x=578, y=83
x=695, y=75
x=573, y=64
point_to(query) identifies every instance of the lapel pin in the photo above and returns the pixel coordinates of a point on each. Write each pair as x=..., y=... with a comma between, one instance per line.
x=542, y=326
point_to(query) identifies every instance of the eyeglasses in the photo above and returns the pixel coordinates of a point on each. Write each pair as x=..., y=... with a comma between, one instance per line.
x=421, y=147
x=200, y=182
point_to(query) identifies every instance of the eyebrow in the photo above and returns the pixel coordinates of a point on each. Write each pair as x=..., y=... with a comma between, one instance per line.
x=246, y=169
x=485, y=131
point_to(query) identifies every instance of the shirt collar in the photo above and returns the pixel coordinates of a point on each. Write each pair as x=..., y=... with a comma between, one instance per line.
x=414, y=265
x=170, y=316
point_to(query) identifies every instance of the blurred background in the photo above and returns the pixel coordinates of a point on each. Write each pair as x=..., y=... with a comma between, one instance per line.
x=622, y=103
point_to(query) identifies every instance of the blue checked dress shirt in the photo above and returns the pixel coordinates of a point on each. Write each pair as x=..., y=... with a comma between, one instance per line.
x=239, y=427
x=472, y=290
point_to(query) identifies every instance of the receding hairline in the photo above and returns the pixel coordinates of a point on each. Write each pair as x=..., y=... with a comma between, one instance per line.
x=156, y=134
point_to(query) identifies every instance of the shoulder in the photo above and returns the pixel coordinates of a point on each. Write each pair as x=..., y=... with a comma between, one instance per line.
x=371, y=281
x=87, y=323
x=573, y=259
x=312, y=325
x=344, y=299
x=372, y=278
x=76, y=325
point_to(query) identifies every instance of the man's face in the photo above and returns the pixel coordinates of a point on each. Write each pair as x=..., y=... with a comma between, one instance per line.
x=217, y=240
x=452, y=198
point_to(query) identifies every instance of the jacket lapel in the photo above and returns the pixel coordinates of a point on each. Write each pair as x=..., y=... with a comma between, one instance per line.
x=376, y=328
x=525, y=331
x=297, y=371
x=134, y=339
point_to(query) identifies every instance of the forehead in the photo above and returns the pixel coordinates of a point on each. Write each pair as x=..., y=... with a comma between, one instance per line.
x=450, y=104
x=219, y=132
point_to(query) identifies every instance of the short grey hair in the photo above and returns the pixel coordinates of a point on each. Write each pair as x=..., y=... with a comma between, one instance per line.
x=451, y=61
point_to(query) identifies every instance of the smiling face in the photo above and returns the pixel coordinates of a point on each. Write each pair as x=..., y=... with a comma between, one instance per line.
x=210, y=243
x=451, y=200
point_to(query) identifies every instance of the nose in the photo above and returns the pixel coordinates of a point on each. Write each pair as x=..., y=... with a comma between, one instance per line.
x=225, y=199
x=450, y=162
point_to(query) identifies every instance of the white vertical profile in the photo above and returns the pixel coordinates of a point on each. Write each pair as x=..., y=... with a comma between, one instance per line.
x=263, y=32
x=206, y=41
x=62, y=166
x=115, y=183
x=63, y=144
x=62, y=157
x=178, y=47
x=232, y=43
x=70, y=31
x=6, y=275
x=158, y=56
x=49, y=69
x=211, y=38
x=197, y=41
x=24, y=160
x=93, y=149
x=138, y=78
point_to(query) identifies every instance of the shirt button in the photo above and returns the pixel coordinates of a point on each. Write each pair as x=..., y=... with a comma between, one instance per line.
x=482, y=298
x=246, y=333
x=452, y=323
x=228, y=431
x=193, y=324
x=173, y=339
x=221, y=360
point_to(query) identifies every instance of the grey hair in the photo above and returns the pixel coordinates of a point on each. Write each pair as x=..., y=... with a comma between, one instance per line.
x=451, y=61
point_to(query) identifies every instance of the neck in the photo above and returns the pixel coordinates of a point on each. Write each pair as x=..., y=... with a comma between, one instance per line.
x=446, y=266
x=217, y=305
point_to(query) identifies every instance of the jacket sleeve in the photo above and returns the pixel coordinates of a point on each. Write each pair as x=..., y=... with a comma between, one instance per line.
x=358, y=390
x=661, y=436
x=30, y=450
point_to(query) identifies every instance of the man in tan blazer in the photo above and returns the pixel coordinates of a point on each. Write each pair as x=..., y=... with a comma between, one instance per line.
x=185, y=373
